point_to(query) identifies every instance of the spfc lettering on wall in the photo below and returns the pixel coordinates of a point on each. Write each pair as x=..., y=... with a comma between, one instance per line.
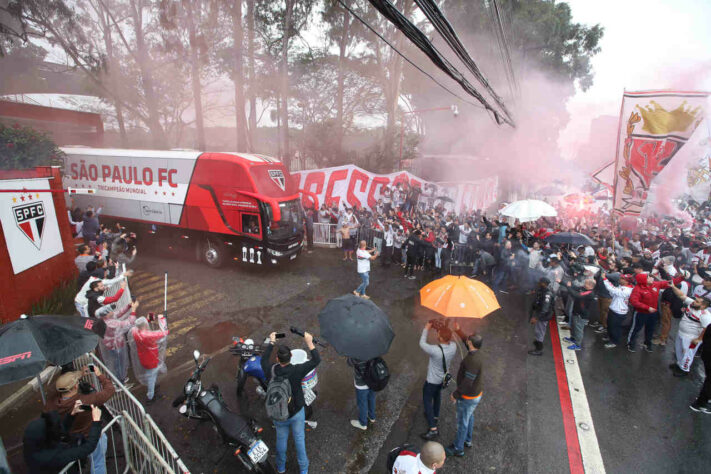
x=30, y=219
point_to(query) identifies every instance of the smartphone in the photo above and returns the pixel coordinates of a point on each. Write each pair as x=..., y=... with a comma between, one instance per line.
x=280, y=335
x=133, y=299
x=151, y=316
x=85, y=407
x=91, y=368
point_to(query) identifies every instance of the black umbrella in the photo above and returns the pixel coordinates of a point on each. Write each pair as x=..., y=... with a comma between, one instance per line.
x=30, y=343
x=356, y=327
x=571, y=238
x=445, y=198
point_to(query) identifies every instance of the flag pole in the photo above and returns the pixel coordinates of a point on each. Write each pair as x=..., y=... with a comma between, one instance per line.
x=617, y=165
x=165, y=295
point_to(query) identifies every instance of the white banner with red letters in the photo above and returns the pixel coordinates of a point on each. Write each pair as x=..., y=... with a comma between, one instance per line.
x=29, y=222
x=352, y=186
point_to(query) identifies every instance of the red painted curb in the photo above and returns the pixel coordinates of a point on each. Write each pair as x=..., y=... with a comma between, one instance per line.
x=575, y=458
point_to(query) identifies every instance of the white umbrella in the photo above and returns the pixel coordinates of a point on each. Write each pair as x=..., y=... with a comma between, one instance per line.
x=528, y=210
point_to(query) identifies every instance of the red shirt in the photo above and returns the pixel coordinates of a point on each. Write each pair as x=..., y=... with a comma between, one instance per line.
x=147, y=346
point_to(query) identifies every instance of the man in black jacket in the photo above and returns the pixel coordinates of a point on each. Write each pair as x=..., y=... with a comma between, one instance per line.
x=297, y=417
x=47, y=445
x=541, y=313
x=468, y=393
x=582, y=302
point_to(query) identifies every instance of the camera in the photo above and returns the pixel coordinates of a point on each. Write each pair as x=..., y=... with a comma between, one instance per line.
x=439, y=323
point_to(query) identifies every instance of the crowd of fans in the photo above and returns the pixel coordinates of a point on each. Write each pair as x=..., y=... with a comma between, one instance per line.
x=634, y=276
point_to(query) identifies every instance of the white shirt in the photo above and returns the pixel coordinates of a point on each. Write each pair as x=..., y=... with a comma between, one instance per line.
x=363, y=257
x=620, y=297
x=694, y=320
x=389, y=237
x=700, y=292
x=464, y=234
x=406, y=464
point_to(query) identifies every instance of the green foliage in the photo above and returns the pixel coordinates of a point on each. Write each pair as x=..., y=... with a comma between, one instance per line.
x=540, y=32
x=59, y=302
x=25, y=147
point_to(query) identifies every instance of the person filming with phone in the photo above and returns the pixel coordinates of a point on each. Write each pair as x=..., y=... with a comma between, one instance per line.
x=48, y=446
x=285, y=398
x=438, y=377
x=64, y=400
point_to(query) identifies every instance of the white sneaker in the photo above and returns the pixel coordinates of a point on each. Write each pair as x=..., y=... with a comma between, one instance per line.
x=312, y=424
x=357, y=424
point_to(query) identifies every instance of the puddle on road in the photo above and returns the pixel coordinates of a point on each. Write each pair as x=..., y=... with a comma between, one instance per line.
x=212, y=338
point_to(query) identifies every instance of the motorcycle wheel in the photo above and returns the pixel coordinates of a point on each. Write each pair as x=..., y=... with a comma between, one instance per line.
x=266, y=467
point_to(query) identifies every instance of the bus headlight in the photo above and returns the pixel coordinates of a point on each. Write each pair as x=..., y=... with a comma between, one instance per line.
x=276, y=253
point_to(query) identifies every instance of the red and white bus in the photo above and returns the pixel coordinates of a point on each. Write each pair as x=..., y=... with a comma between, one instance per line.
x=225, y=206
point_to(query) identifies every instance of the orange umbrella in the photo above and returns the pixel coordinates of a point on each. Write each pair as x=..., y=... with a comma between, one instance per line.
x=459, y=297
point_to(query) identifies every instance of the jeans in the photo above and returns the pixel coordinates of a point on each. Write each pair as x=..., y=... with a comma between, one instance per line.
x=501, y=275
x=151, y=376
x=438, y=258
x=577, y=327
x=640, y=320
x=296, y=425
x=98, y=456
x=432, y=398
x=465, y=421
x=116, y=362
x=366, y=405
x=365, y=276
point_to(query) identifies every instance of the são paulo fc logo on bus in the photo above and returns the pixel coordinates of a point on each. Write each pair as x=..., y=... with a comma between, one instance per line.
x=30, y=219
x=278, y=177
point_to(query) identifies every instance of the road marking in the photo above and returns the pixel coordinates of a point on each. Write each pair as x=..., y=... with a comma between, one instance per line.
x=583, y=449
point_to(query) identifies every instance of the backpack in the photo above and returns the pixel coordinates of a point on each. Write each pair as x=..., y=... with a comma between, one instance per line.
x=406, y=448
x=278, y=397
x=376, y=374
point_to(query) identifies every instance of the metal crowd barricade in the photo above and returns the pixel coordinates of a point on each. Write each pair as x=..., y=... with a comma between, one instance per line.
x=372, y=237
x=141, y=455
x=460, y=254
x=325, y=235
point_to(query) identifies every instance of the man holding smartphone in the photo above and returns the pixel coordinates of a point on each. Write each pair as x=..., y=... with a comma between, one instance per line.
x=65, y=399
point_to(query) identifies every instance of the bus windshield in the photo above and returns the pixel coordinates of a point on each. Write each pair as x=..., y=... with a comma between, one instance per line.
x=291, y=223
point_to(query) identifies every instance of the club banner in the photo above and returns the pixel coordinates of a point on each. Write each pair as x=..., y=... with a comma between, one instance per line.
x=351, y=186
x=29, y=223
x=654, y=125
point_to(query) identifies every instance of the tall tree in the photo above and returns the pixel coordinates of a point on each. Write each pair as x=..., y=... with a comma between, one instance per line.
x=242, y=135
x=252, y=72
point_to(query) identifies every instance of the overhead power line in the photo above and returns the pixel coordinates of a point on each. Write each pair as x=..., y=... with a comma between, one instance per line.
x=503, y=44
x=367, y=25
x=445, y=28
x=401, y=22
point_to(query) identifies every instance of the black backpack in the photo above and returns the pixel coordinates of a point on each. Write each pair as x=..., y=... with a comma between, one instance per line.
x=376, y=374
x=395, y=452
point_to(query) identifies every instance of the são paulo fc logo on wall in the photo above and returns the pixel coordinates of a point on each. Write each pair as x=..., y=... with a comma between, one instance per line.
x=30, y=219
x=278, y=177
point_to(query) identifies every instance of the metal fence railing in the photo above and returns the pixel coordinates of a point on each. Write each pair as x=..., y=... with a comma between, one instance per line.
x=325, y=235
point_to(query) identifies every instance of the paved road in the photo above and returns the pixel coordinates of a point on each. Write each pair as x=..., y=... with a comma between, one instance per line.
x=640, y=411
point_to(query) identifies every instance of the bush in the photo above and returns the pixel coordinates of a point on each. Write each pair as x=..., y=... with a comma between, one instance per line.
x=61, y=301
x=25, y=147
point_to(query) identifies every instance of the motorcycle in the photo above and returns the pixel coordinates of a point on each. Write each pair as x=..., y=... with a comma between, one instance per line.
x=250, y=364
x=235, y=430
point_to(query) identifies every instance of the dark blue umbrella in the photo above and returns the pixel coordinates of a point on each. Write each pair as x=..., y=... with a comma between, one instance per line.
x=570, y=238
x=356, y=327
x=30, y=343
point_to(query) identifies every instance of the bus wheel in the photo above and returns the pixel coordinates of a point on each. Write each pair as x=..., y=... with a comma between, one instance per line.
x=213, y=253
